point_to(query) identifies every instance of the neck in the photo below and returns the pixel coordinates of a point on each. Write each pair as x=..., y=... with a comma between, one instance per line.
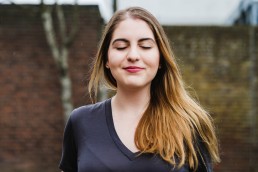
x=135, y=100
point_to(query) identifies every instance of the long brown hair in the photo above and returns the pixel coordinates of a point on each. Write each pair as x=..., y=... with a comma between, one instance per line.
x=173, y=120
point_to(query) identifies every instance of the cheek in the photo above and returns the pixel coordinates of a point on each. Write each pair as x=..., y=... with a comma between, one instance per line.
x=154, y=59
x=114, y=58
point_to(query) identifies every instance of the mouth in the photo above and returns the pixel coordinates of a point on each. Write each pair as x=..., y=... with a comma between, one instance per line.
x=133, y=69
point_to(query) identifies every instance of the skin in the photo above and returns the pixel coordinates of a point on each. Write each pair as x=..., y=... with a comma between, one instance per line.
x=133, y=59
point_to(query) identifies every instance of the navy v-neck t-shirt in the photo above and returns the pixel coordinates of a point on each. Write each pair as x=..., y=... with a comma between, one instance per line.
x=91, y=144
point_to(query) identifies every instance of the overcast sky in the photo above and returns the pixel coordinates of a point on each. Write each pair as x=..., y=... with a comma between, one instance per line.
x=168, y=12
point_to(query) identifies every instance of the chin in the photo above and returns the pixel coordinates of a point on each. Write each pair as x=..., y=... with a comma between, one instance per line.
x=137, y=85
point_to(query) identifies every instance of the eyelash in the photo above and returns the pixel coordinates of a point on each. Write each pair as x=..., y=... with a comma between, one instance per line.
x=143, y=47
x=120, y=48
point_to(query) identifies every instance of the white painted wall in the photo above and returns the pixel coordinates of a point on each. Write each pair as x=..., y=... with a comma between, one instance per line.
x=186, y=12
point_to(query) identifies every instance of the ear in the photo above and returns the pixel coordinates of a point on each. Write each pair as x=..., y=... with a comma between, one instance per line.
x=107, y=65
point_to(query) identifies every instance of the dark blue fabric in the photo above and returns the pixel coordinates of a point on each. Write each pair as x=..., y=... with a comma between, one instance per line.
x=91, y=144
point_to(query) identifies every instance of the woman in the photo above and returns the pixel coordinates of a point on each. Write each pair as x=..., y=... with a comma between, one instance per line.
x=151, y=123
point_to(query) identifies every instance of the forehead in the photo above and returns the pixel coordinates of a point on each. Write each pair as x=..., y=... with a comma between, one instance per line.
x=132, y=28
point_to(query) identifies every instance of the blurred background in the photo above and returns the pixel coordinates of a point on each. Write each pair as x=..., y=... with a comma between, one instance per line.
x=46, y=51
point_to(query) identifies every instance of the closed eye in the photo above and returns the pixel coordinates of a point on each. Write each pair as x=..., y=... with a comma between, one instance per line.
x=146, y=47
x=121, y=48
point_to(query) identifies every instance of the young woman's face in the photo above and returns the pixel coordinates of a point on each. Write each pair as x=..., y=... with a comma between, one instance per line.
x=133, y=54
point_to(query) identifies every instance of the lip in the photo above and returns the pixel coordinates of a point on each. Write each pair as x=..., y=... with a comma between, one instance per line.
x=133, y=69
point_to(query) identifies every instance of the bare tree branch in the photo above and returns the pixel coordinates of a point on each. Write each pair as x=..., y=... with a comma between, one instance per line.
x=50, y=33
x=61, y=24
x=75, y=28
x=60, y=50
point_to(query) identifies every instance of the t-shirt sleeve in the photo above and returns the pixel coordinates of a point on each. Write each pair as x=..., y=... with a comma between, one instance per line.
x=68, y=161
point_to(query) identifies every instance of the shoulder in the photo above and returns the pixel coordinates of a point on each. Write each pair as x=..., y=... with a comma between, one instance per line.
x=88, y=111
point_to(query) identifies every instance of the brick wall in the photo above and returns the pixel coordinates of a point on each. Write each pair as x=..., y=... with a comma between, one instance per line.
x=31, y=121
x=215, y=63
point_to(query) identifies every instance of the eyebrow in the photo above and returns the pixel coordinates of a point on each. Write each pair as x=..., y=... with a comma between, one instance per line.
x=147, y=39
x=126, y=41
x=120, y=39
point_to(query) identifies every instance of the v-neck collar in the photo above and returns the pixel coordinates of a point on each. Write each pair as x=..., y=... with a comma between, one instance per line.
x=108, y=112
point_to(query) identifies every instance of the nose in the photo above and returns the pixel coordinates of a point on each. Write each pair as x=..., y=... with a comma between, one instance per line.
x=133, y=54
